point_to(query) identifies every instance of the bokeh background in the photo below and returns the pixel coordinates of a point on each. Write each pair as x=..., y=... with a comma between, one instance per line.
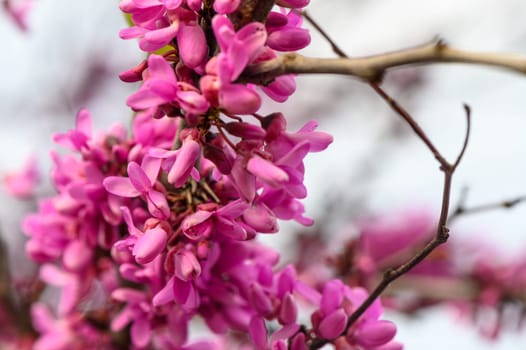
x=71, y=56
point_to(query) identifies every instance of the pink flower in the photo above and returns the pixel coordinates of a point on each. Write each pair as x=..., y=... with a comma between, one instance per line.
x=77, y=139
x=145, y=246
x=203, y=223
x=70, y=284
x=179, y=164
x=161, y=87
x=374, y=334
x=140, y=183
x=237, y=51
x=186, y=265
x=18, y=11
x=293, y=3
x=226, y=6
x=285, y=32
x=192, y=44
x=22, y=184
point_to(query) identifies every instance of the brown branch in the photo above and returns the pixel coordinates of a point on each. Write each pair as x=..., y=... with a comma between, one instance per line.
x=372, y=68
x=412, y=123
x=18, y=310
x=371, y=74
x=447, y=288
x=441, y=236
x=337, y=50
x=386, y=97
x=250, y=11
x=462, y=209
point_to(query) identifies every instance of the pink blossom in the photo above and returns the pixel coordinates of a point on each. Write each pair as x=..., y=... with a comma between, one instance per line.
x=77, y=139
x=226, y=6
x=285, y=32
x=192, y=44
x=18, y=11
x=145, y=246
x=179, y=164
x=237, y=51
x=140, y=182
x=161, y=87
x=22, y=184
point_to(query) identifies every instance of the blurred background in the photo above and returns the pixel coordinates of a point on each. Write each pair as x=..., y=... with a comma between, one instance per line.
x=71, y=55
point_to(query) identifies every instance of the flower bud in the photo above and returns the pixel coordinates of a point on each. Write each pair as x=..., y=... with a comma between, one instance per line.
x=187, y=267
x=333, y=325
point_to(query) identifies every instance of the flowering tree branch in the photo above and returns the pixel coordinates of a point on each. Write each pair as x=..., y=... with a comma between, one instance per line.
x=164, y=218
x=372, y=74
x=441, y=235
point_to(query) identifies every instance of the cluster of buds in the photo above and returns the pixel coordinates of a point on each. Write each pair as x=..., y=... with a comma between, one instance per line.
x=151, y=229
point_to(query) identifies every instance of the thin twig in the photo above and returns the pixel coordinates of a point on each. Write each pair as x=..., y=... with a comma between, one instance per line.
x=323, y=33
x=372, y=68
x=462, y=209
x=412, y=123
x=442, y=232
x=441, y=236
x=386, y=97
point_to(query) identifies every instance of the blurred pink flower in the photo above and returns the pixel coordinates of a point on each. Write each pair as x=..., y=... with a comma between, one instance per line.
x=22, y=183
x=18, y=10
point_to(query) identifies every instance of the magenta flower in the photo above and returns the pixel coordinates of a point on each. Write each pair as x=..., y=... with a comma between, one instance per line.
x=69, y=283
x=56, y=334
x=285, y=32
x=161, y=87
x=22, y=184
x=374, y=334
x=179, y=164
x=226, y=6
x=77, y=139
x=293, y=3
x=145, y=246
x=140, y=183
x=137, y=311
x=192, y=44
x=154, y=26
x=187, y=267
x=203, y=223
x=18, y=11
x=237, y=51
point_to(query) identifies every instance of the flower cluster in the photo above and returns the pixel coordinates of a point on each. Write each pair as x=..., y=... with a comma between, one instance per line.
x=206, y=72
x=472, y=277
x=152, y=229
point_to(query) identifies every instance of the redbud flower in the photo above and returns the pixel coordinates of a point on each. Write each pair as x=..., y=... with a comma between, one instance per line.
x=186, y=265
x=192, y=44
x=226, y=6
x=373, y=334
x=140, y=183
x=22, y=184
x=18, y=11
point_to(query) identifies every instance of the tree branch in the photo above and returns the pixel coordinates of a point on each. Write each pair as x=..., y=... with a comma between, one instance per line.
x=441, y=236
x=372, y=68
x=462, y=209
x=250, y=11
